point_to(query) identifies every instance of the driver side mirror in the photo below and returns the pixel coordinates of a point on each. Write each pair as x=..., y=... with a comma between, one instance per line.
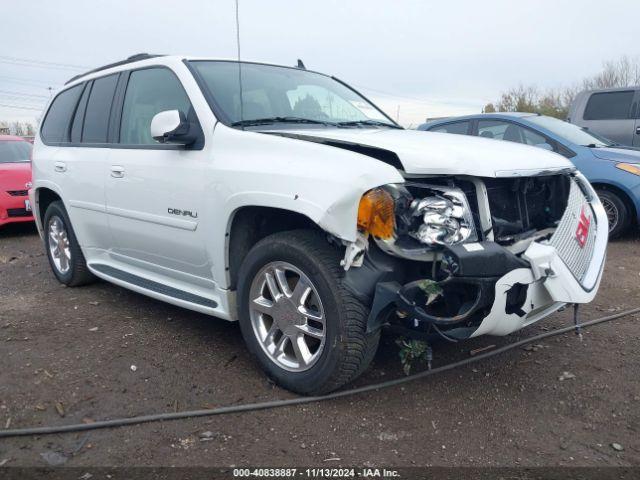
x=171, y=126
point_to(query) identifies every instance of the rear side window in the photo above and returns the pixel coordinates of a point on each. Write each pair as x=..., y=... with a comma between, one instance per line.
x=609, y=106
x=55, y=128
x=150, y=91
x=460, y=128
x=96, y=117
x=511, y=132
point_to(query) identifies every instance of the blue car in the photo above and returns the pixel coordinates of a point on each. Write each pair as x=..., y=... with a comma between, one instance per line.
x=613, y=170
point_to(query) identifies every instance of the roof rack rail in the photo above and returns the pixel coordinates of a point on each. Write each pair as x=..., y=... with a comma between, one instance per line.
x=132, y=58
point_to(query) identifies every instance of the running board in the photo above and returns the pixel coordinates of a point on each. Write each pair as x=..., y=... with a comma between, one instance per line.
x=152, y=286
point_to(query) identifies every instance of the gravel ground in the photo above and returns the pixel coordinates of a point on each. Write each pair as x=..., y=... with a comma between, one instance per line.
x=68, y=357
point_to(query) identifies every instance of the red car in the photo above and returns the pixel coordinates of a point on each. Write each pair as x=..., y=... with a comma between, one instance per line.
x=15, y=180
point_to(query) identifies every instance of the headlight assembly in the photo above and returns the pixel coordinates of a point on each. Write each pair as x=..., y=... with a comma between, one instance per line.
x=416, y=220
x=446, y=218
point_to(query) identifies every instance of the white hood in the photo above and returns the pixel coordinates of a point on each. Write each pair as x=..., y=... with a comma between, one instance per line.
x=428, y=153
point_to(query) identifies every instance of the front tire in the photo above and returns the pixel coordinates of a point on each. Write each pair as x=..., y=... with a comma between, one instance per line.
x=307, y=331
x=617, y=212
x=63, y=251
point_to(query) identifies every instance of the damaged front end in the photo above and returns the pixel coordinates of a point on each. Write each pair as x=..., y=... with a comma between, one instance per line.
x=465, y=256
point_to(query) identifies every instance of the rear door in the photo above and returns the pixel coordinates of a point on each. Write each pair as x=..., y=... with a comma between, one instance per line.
x=78, y=136
x=610, y=114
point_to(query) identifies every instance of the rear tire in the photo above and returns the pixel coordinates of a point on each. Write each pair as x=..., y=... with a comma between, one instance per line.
x=63, y=251
x=617, y=212
x=340, y=348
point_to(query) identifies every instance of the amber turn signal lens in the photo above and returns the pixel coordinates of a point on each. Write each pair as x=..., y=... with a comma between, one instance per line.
x=376, y=214
x=629, y=167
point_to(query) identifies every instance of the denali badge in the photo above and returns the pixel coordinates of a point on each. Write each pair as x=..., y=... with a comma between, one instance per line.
x=582, y=232
x=184, y=213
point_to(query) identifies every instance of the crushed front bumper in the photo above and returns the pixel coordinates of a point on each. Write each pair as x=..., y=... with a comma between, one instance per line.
x=566, y=268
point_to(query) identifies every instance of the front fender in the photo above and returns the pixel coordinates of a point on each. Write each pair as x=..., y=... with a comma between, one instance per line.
x=321, y=182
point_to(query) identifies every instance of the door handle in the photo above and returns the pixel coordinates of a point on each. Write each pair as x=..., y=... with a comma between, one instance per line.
x=638, y=130
x=117, y=171
x=60, y=167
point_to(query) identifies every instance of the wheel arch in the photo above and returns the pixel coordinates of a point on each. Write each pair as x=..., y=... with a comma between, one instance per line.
x=623, y=194
x=44, y=196
x=250, y=224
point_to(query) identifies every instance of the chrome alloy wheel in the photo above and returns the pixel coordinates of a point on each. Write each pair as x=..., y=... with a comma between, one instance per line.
x=287, y=316
x=59, y=244
x=613, y=215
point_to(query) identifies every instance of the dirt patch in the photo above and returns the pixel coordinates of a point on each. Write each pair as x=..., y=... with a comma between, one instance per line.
x=99, y=352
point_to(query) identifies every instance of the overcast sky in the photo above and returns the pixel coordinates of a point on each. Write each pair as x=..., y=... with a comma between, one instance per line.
x=431, y=58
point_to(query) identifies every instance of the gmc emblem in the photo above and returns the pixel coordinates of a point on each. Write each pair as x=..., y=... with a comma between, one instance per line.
x=582, y=232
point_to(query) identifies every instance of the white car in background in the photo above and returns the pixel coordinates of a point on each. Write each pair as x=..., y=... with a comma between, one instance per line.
x=284, y=199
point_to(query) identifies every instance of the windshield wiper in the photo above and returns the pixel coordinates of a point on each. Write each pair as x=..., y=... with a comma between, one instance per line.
x=375, y=123
x=271, y=120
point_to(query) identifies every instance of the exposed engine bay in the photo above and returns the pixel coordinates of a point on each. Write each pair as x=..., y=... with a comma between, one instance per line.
x=453, y=238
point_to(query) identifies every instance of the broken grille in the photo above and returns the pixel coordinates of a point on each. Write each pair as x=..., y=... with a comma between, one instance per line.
x=565, y=239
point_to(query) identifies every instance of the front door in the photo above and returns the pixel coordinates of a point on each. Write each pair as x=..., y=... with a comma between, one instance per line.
x=155, y=192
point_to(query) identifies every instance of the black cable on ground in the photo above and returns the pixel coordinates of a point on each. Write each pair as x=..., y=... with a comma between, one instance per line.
x=300, y=400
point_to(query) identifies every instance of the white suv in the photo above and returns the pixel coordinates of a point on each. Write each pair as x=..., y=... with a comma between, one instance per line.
x=284, y=199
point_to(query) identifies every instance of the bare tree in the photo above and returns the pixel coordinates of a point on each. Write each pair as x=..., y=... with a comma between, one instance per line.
x=624, y=72
x=16, y=127
x=489, y=108
x=521, y=99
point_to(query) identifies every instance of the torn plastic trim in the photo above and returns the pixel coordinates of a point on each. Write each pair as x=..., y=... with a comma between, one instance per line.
x=410, y=299
x=470, y=286
x=355, y=252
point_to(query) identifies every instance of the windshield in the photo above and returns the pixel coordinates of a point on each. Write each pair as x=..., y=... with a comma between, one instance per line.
x=14, y=151
x=284, y=95
x=570, y=132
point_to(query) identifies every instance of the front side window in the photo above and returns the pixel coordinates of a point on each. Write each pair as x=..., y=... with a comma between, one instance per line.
x=458, y=128
x=150, y=91
x=55, y=128
x=96, y=117
x=283, y=94
x=609, y=106
x=15, y=151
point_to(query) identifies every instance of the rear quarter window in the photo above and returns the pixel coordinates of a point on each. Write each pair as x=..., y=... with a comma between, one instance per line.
x=609, y=106
x=55, y=128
